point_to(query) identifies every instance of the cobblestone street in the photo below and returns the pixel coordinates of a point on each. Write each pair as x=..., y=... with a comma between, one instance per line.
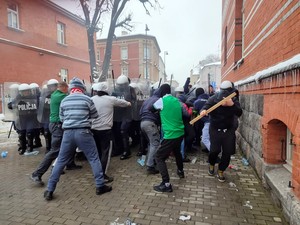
x=240, y=200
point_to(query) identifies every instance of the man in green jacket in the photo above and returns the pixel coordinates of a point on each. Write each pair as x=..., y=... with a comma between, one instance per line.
x=171, y=112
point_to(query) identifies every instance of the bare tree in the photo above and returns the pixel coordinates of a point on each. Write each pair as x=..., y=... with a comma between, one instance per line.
x=93, y=10
x=92, y=22
x=117, y=7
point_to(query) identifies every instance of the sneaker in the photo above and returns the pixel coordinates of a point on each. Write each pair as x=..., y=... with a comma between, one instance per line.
x=73, y=167
x=221, y=177
x=48, y=195
x=211, y=170
x=108, y=179
x=180, y=173
x=103, y=189
x=37, y=180
x=152, y=170
x=163, y=188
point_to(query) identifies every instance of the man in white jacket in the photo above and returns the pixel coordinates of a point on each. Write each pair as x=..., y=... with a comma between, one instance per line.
x=101, y=127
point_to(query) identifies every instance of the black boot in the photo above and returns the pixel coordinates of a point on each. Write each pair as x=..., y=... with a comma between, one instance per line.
x=22, y=143
x=29, y=142
x=126, y=154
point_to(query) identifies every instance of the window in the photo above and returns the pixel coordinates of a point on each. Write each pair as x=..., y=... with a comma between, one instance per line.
x=98, y=56
x=13, y=17
x=61, y=33
x=124, y=53
x=64, y=75
x=146, y=72
x=146, y=52
x=125, y=70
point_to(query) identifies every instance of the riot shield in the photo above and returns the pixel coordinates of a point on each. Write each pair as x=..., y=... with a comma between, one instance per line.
x=10, y=93
x=43, y=112
x=25, y=107
x=123, y=91
x=142, y=92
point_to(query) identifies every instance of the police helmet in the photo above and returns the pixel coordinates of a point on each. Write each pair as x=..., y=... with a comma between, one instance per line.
x=34, y=85
x=24, y=87
x=122, y=79
x=14, y=86
x=52, y=81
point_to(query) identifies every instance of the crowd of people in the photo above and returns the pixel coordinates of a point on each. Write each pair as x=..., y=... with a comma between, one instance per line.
x=106, y=122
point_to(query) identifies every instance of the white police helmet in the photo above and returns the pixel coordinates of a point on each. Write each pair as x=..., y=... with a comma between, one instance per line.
x=52, y=81
x=122, y=79
x=24, y=87
x=34, y=85
x=14, y=86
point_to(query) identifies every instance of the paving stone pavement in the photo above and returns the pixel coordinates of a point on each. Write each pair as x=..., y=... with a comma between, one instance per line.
x=240, y=200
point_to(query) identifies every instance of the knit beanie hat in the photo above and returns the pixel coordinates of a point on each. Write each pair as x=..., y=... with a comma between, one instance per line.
x=165, y=89
x=77, y=83
x=199, y=91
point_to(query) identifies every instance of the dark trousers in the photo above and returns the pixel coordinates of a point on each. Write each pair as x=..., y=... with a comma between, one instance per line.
x=221, y=140
x=166, y=147
x=102, y=139
x=56, y=138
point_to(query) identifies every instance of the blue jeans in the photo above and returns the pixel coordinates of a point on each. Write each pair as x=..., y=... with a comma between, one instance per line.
x=205, y=136
x=84, y=140
x=150, y=129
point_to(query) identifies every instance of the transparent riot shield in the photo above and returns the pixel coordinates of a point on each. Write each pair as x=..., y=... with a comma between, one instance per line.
x=142, y=92
x=10, y=92
x=123, y=91
x=43, y=112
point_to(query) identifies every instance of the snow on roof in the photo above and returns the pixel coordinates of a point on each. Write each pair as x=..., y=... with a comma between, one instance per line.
x=289, y=64
x=213, y=64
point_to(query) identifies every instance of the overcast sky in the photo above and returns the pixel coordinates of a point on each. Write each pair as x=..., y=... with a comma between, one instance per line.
x=188, y=30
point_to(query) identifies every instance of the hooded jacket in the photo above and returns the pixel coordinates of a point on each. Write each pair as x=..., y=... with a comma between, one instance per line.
x=146, y=112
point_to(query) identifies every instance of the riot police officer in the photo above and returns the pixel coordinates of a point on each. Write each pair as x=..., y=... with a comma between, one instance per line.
x=122, y=117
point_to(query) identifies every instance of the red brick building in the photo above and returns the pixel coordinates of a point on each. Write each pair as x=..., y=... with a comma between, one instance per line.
x=261, y=54
x=132, y=55
x=40, y=40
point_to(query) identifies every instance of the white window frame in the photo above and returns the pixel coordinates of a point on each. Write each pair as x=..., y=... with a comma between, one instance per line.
x=13, y=17
x=61, y=33
x=124, y=70
x=124, y=53
x=64, y=74
x=146, y=52
x=145, y=72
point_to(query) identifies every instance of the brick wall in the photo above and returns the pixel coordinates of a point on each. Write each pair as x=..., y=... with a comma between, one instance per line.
x=32, y=53
x=271, y=35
